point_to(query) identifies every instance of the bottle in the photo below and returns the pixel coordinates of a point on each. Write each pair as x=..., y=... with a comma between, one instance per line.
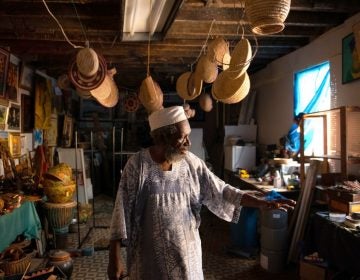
x=277, y=179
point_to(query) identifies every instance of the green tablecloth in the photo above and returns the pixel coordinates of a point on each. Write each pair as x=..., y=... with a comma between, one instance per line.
x=23, y=220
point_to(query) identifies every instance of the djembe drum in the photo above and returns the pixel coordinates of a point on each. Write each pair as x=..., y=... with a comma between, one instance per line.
x=59, y=215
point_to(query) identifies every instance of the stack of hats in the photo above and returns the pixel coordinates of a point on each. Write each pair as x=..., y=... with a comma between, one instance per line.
x=89, y=74
x=233, y=84
x=189, y=85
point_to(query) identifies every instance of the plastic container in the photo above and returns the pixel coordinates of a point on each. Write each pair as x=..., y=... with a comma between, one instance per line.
x=272, y=261
x=274, y=239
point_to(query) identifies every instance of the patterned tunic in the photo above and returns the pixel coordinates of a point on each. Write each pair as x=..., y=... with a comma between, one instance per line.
x=158, y=213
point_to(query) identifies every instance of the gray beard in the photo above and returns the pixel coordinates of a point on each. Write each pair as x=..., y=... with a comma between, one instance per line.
x=172, y=155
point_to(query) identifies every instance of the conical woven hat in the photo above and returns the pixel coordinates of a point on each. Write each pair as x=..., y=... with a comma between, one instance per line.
x=182, y=88
x=206, y=70
x=217, y=49
x=102, y=91
x=150, y=95
x=194, y=86
x=228, y=90
x=240, y=58
x=87, y=62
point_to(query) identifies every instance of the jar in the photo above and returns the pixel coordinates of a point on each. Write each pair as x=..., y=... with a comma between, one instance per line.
x=62, y=262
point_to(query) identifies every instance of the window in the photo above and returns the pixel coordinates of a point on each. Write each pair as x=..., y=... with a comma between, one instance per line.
x=312, y=94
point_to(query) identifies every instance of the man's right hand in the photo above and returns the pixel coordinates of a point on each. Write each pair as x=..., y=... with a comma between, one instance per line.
x=116, y=266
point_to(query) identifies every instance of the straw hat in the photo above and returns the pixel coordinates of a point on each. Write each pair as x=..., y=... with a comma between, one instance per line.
x=113, y=93
x=228, y=90
x=206, y=70
x=151, y=95
x=85, y=82
x=63, y=82
x=206, y=103
x=217, y=49
x=226, y=61
x=188, y=86
x=240, y=58
x=194, y=86
x=87, y=62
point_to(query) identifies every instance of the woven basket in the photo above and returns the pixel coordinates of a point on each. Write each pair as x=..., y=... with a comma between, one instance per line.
x=18, y=266
x=267, y=16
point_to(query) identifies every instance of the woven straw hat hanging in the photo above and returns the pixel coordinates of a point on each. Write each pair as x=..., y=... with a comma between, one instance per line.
x=240, y=59
x=267, y=16
x=228, y=90
x=205, y=102
x=113, y=97
x=206, y=70
x=216, y=50
x=188, y=86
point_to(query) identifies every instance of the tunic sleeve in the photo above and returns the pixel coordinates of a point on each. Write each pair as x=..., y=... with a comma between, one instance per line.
x=220, y=198
x=120, y=227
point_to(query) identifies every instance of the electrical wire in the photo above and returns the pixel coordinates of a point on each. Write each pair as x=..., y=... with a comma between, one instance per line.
x=77, y=15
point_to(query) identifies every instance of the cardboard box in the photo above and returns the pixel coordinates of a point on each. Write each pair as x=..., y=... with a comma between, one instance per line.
x=310, y=271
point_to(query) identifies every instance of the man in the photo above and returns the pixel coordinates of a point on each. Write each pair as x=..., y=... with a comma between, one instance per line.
x=157, y=210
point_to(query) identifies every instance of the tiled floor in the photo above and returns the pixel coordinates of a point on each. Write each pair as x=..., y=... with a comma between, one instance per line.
x=215, y=234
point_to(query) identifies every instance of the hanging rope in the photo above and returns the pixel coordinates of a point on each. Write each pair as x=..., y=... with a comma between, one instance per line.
x=149, y=40
x=62, y=30
x=82, y=27
x=204, y=45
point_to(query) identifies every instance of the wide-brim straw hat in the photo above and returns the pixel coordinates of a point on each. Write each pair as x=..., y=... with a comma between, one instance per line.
x=151, y=95
x=240, y=58
x=188, y=86
x=216, y=50
x=83, y=82
x=206, y=70
x=87, y=62
x=226, y=61
x=113, y=93
x=228, y=90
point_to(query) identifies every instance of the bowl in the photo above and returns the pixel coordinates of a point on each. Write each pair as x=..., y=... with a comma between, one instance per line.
x=59, y=193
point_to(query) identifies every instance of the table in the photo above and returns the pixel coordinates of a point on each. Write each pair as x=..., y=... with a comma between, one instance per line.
x=23, y=220
x=339, y=245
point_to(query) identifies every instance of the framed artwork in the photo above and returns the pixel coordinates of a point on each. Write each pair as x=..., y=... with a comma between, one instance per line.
x=90, y=108
x=27, y=113
x=15, y=144
x=13, y=117
x=3, y=111
x=4, y=64
x=68, y=131
x=27, y=77
x=51, y=134
x=12, y=90
x=350, y=60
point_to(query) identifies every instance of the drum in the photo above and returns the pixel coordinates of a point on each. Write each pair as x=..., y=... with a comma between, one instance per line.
x=59, y=215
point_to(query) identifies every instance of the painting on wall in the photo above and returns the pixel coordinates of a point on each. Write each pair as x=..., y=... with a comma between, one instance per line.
x=4, y=64
x=13, y=117
x=15, y=144
x=27, y=77
x=12, y=91
x=3, y=110
x=350, y=60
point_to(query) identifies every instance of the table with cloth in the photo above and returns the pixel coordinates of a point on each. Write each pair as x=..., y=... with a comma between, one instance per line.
x=23, y=220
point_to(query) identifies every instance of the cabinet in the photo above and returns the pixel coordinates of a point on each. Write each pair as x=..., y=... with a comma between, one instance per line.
x=337, y=133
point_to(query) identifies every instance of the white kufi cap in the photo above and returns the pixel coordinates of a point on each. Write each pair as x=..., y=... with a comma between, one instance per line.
x=166, y=116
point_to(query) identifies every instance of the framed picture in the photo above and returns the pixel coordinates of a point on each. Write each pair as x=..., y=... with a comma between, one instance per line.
x=27, y=113
x=15, y=144
x=3, y=111
x=27, y=77
x=350, y=60
x=13, y=117
x=12, y=90
x=68, y=131
x=90, y=109
x=4, y=64
x=51, y=134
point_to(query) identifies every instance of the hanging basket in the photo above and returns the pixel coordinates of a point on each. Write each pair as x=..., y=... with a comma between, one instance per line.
x=267, y=16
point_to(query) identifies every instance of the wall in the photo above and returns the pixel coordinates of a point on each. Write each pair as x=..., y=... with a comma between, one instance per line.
x=274, y=84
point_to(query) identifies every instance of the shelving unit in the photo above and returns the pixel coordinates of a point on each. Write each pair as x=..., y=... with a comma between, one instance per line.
x=341, y=140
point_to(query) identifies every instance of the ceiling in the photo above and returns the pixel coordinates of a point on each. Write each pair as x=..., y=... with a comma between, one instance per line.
x=28, y=31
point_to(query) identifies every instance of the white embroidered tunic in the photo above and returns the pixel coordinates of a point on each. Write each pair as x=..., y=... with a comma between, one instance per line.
x=158, y=213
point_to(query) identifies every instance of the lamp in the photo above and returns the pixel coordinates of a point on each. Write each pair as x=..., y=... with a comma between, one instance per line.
x=137, y=14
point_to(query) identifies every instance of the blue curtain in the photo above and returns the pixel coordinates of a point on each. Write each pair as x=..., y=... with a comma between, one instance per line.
x=312, y=94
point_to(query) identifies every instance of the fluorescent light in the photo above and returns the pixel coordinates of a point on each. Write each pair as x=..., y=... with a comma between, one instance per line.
x=156, y=12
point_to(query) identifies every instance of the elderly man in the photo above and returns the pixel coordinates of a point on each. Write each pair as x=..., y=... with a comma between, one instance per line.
x=157, y=209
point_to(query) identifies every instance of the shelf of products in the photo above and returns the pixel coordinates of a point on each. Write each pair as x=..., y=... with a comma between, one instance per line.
x=340, y=134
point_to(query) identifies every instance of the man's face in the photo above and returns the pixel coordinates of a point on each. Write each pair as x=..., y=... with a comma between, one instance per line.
x=180, y=143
